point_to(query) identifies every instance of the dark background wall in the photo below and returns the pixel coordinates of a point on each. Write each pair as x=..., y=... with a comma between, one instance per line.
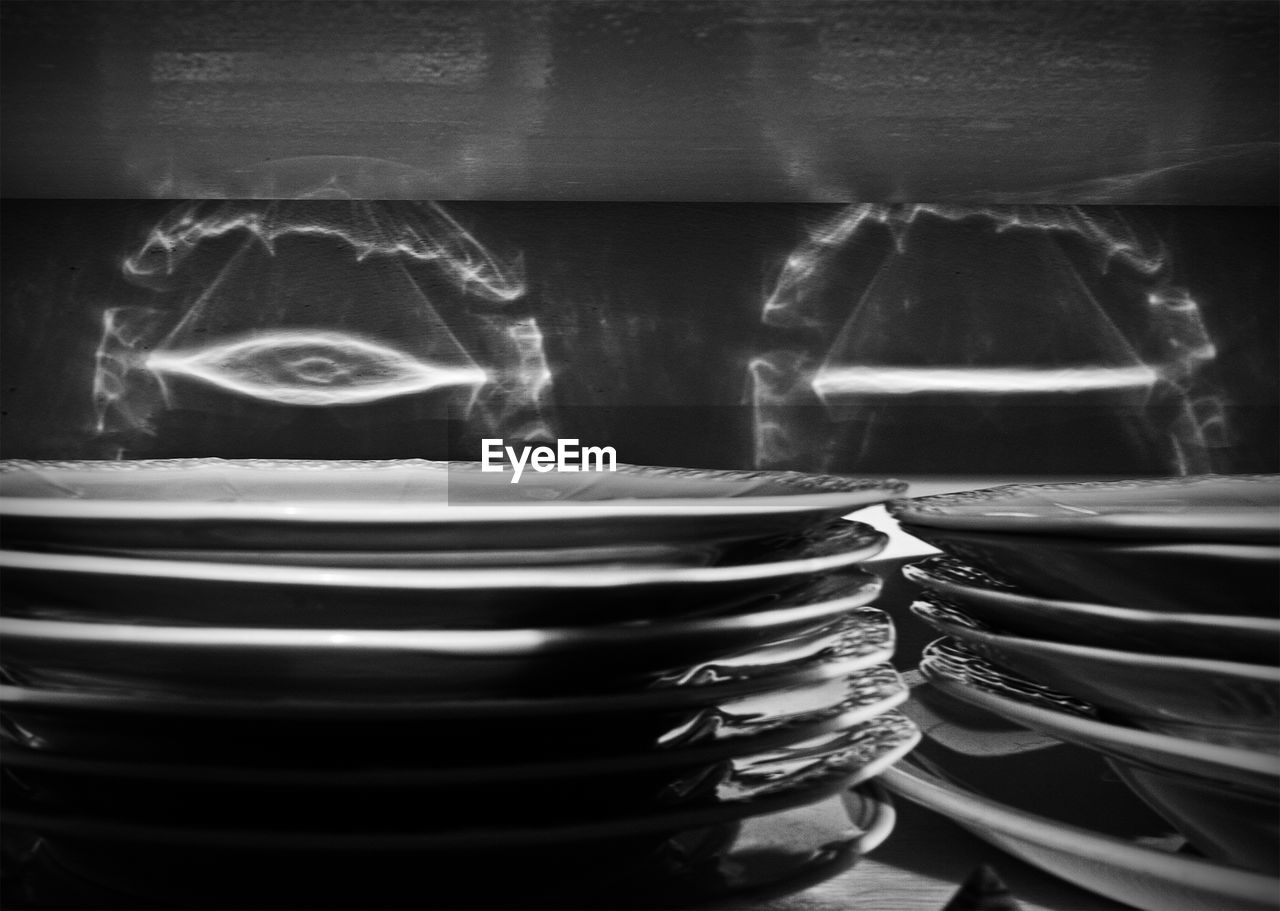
x=650, y=313
x=1142, y=101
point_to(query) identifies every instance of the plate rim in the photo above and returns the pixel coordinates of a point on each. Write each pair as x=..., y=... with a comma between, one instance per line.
x=1262, y=522
x=979, y=811
x=1065, y=650
x=34, y=698
x=864, y=542
x=390, y=776
x=1103, y=736
x=450, y=642
x=1236, y=551
x=829, y=784
x=814, y=493
x=921, y=573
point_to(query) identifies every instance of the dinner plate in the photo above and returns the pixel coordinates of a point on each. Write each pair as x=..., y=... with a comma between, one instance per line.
x=292, y=662
x=1179, y=576
x=767, y=785
x=272, y=864
x=770, y=721
x=227, y=594
x=229, y=800
x=1059, y=808
x=677, y=554
x=89, y=666
x=621, y=648
x=411, y=504
x=1005, y=606
x=954, y=670
x=1227, y=702
x=1225, y=800
x=1198, y=508
x=437, y=733
x=759, y=858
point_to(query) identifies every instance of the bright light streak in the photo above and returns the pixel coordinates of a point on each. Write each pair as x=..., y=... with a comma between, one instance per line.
x=311, y=368
x=836, y=381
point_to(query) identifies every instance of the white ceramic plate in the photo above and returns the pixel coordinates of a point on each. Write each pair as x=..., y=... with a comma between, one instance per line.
x=533, y=654
x=759, y=858
x=407, y=505
x=1176, y=576
x=1096, y=834
x=626, y=647
x=283, y=663
x=1224, y=636
x=766, y=784
x=540, y=738
x=1198, y=508
x=856, y=650
x=677, y=554
x=222, y=801
x=768, y=722
x=1214, y=701
x=232, y=594
x=1225, y=800
x=956, y=672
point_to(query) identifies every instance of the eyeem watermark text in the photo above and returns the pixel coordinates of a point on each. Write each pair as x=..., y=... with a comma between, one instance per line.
x=567, y=455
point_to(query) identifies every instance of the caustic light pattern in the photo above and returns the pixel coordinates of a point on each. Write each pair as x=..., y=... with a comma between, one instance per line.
x=311, y=368
x=978, y=309
x=424, y=232
x=318, y=303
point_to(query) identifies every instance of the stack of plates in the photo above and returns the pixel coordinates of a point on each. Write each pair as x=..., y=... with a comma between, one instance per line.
x=410, y=683
x=1138, y=621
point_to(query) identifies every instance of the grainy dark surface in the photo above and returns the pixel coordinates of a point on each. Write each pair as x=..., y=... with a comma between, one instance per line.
x=1146, y=102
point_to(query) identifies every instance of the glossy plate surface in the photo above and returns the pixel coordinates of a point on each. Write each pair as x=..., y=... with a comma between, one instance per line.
x=262, y=595
x=1227, y=702
x=764, y=783
x=675, y=554
x=954, y=670
x=758, y=858
x=1059, y=807
x=1225, y=800
x=774, y=612
x=226, y=801
x=765, y=722
x=280, y=663
x=1184, y=577
x=1005, y=606
x=676, y=693
x=1197, y=508
x=818, y=601
x=424, y=747
x=411, y=504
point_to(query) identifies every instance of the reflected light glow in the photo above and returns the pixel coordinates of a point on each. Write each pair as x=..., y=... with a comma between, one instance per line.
x=1107, y=237
x=323, y=301
x=430, y=236
x=515, y=400
x=311, y=368
x=776, y=382
x=981, y=305
x=991, y=380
